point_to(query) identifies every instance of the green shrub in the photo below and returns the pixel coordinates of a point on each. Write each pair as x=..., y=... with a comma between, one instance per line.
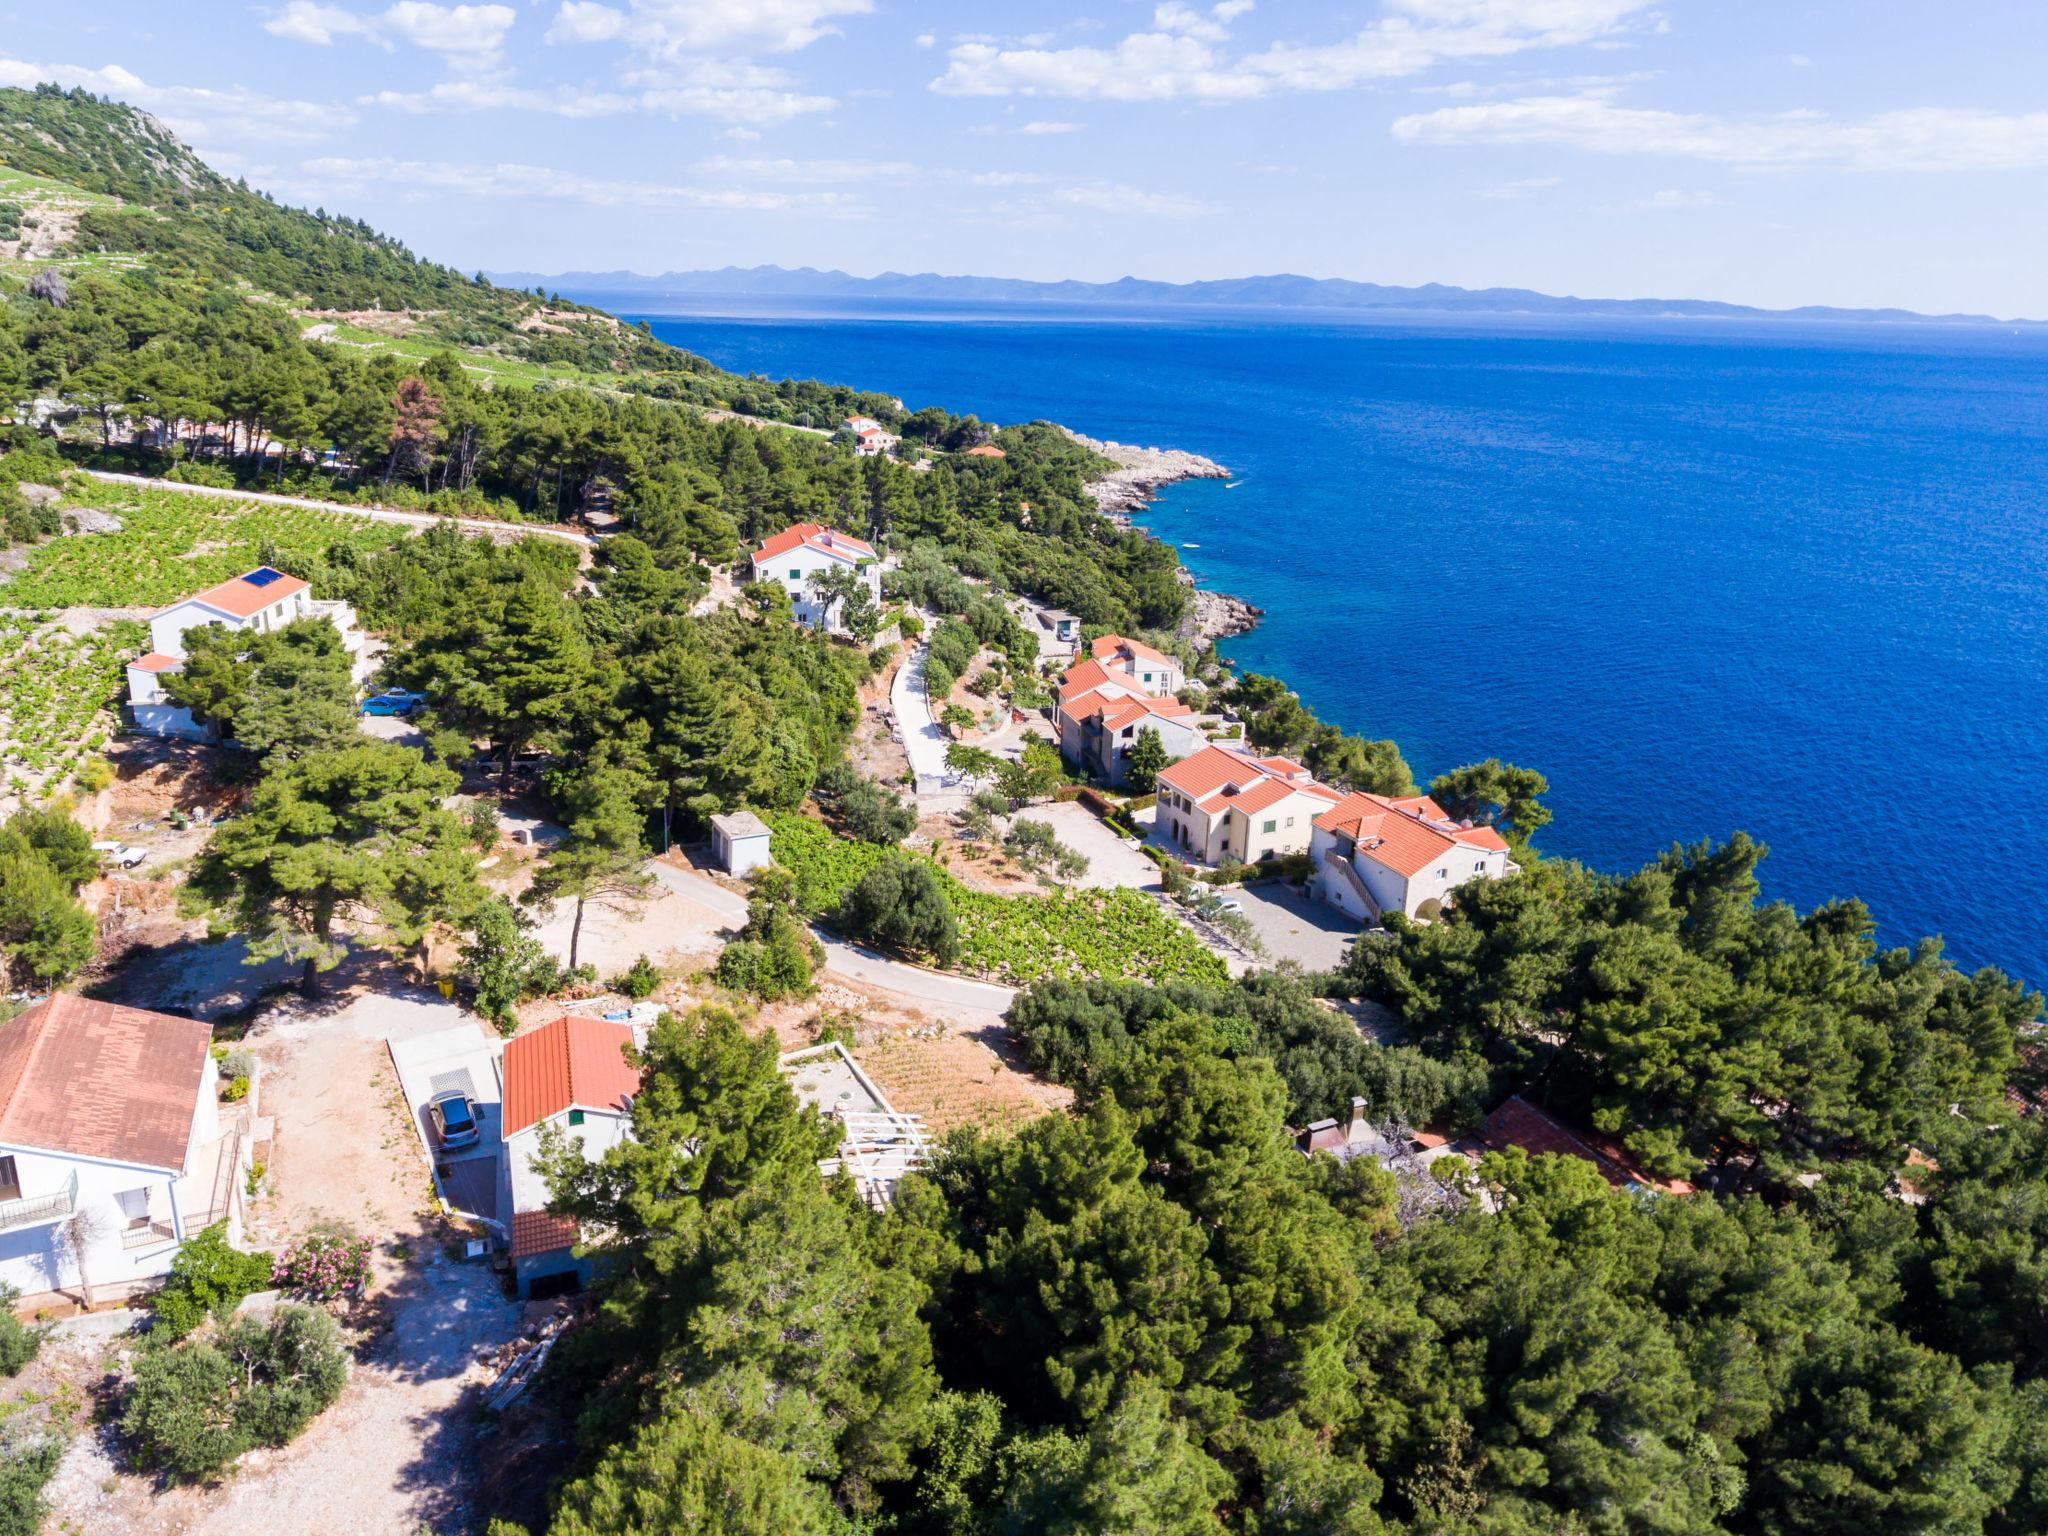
x=324, y=1265
x=640, y=981
x=901, y=903
x=207, y=1278
x=237, y=1089
x=24, y=1472
x=193, y=1408
x=18, y=1341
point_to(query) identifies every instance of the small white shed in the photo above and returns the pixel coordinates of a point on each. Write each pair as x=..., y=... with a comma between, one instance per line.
x=740, y=842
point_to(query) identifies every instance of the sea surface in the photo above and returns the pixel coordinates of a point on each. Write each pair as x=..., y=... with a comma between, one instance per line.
x=1789, y=578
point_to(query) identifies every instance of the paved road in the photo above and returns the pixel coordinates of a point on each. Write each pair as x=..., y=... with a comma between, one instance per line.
x=923, y=741
x=931, y=989
x=374, y=514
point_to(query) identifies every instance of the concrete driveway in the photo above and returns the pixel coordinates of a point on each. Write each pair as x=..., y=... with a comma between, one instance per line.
x=923, y=742
x=1112, y=862
x=1296, y=927
x=469, y=1058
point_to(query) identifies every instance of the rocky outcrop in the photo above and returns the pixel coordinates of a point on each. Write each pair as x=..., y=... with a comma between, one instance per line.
x=1140, y=472
x=1213, y=616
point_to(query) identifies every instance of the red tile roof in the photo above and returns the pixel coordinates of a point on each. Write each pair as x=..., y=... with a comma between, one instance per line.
x=816, y=536
x=1518, y=1123
x=101, y=1080
x=575, y=1062
x=156, y=661
x=1106, y=646
x=1080, y=679
x=540, y=1232
x=985, y=451
x=243, y=597
x=1406, y=835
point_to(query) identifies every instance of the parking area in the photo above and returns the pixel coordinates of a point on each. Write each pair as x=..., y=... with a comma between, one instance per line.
x=467, y=1059
x=1112, y=862
x=1293, y=926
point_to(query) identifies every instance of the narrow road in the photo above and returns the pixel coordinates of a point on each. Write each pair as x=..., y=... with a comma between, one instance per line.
x=487, y=525
x=932, y=989
x=923, y=742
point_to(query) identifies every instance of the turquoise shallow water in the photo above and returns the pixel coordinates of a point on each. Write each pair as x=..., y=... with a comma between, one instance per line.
x=1784, y=578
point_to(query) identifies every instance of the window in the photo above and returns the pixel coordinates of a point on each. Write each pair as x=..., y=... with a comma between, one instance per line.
x=134, y=1205
x=575, y=1117
x=1290, y=821
x=10, y=1180
x=1145, y=677
x=795, y=574
x=1479, y=868
x=1267, y=827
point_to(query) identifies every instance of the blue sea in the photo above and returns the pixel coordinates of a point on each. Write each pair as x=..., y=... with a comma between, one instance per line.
x=1789, y=578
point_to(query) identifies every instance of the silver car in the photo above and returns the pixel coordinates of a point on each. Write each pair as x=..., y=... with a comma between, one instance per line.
x=454, y=1120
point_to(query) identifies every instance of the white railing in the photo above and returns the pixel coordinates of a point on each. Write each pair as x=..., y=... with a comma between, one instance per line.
x=39, y=1210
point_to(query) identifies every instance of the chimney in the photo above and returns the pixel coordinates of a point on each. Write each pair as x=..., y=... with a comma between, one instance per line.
x=1360, y=1130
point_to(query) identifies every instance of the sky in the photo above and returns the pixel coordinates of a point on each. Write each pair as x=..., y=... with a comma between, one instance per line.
x=1773, y=152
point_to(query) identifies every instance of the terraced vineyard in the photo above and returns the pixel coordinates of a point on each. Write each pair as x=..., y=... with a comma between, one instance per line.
x=1018, y=939
x=171, y=545
x=59, y=697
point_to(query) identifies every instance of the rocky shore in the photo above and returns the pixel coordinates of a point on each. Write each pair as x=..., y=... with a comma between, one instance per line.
x=1140, y=472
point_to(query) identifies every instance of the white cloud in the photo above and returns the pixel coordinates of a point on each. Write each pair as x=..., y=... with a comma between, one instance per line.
x=1183, y=58
x=737, y=92
x=1137, y=202
x=1671, y=198
x=1039, y=128
x=1521, y=188
x=819, y=172
x=305, y=22
x=741, y=135
x=925, y=39
x=509, y=180
x=583, y=21
x=1915, y=139
x=466, y=36
x=202, y=117
x=676, y=29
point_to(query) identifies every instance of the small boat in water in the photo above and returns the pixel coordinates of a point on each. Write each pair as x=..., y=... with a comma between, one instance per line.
x=1184, y=544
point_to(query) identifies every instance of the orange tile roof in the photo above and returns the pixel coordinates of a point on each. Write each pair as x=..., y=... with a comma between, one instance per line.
x=1206, y=771
x=155, y=661
x=540, y=1232
x=1395, y=833
x=1106, y=646
x=817, y=536
x=1518, y=1123
x=574, y=1062
x=985, y=451
x=1080, y=679
x=100, y=1080
x=1481, y=837
x=243, y=596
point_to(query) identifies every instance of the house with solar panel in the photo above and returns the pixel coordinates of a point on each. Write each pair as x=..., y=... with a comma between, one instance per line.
x=261, y=600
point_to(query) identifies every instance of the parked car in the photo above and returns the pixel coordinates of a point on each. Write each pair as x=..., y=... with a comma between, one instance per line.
x=121, y=855
x=454, y=1120
x=1229, y=904
x=394, y=701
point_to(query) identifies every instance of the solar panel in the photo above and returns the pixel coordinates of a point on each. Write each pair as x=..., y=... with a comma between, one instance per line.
x=263, y=576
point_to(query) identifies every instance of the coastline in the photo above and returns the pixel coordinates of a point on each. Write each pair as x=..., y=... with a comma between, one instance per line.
x=1140, y=475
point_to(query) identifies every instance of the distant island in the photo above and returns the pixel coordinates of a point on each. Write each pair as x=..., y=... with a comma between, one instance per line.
x=1280, y=291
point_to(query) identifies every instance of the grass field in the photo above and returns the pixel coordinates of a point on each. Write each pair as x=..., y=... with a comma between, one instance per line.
x=171, y=545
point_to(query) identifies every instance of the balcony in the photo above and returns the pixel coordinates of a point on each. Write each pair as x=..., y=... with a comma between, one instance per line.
x=40, y=1210
x=149, y=1234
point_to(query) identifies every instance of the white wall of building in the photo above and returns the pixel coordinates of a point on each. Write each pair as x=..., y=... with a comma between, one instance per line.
x=792, y=571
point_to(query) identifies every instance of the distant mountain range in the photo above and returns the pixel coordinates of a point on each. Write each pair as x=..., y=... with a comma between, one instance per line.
x=1280, y=291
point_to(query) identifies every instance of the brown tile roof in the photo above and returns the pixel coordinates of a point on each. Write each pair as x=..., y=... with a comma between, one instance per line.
x=1518, y=1123
x=575, y=1062
x=540, y=1232
x=99, y=1080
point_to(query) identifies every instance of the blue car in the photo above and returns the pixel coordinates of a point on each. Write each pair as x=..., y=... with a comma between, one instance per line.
x=394, y=701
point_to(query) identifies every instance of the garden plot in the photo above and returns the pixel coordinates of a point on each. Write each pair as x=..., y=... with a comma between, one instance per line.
x=171, y=545
x=59, y=698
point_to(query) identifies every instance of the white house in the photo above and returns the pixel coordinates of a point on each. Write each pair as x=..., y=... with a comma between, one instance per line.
x=798, y=553
x=740, y=842
x=870, y=437
x=571, y=1074
x=112, y=1151
x=1135, y=663
x=1123, y=688
x=1224, y=802
x=262, y=600
x=1372, y=855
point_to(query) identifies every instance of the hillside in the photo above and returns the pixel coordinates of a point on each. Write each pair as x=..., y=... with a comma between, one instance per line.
x=1279, y=291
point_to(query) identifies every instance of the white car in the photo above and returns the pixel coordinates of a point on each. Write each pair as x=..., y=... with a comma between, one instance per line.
x=121, y=855
x=1229, y=904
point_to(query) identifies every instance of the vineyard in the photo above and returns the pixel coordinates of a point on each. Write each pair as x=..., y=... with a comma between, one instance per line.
x=171, y=545
x=58, y=697
x=1019, y=939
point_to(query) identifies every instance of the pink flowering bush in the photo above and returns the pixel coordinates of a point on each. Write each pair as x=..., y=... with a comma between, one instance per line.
x=324, y=1267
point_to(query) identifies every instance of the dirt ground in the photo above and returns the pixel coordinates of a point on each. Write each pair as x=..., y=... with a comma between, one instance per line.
x=397, y=1453
x=875, y=749
x=947, y=1073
